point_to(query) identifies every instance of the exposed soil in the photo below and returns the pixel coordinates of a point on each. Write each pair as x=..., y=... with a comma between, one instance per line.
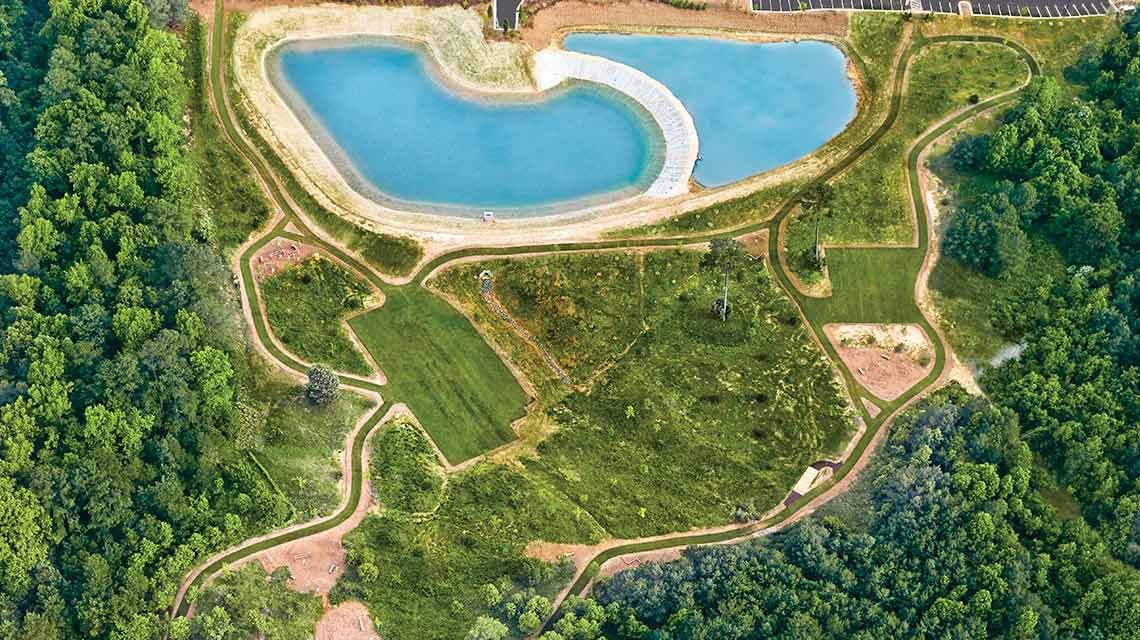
x=278, y=255
x=317, y=561
x=581, y=554
x=621, y=563
x=349, y=621
x=755, y=243
x=887, y=359
x=726, y=14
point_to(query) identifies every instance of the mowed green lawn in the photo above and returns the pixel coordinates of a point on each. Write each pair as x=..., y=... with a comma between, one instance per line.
x=869, y=285
x=442, y=369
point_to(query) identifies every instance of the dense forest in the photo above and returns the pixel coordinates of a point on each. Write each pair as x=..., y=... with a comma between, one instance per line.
x=120, y=363
x=960, y=541
x=1069, y=172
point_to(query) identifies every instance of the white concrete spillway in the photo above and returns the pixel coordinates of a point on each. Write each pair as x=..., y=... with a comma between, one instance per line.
x=553, y=66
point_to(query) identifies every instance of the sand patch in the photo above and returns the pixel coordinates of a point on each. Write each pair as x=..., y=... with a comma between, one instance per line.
x=887, y=359
x=277, y=255
x=755, y=243
x=349, y=621
x=634, y=560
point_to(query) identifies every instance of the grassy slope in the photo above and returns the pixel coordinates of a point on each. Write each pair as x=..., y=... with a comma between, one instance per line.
x=301, y=446
x=404, y=472
x=455, y=384
x=232, y=205
x=306, y=304
x=870, y=203
x=1056, y=44
x=428, y=573
x=567, y=303
x=719, y=419
x=724, y=415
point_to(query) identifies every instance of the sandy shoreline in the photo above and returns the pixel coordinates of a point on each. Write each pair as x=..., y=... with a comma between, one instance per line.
x=455, y=39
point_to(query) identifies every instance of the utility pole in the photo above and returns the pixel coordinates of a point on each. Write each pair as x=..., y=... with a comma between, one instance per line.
x=724, y=302
x=818, y=258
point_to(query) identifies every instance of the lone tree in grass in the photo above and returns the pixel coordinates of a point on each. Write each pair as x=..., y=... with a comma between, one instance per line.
x=323, y=384
x=724, y=255
x=815, y=205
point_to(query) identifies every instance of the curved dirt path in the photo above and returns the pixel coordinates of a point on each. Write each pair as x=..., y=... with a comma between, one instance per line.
x=664, y=547
x=355, y=503
x=215, y=563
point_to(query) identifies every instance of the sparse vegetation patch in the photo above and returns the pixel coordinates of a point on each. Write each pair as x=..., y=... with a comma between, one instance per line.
x=306, y=305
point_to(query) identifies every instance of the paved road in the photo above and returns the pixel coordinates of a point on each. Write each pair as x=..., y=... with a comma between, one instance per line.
x=1026, y=8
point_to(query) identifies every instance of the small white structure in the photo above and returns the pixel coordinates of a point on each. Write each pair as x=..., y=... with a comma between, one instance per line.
x=488, y=216
x=803, y=485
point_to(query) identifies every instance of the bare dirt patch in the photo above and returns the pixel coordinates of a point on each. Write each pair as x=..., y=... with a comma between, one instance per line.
x=278, y=255
x=887, y=359
x=317, y=561
x=549, y=21
x=621, y=563
x=349, y=621
x=755, y=243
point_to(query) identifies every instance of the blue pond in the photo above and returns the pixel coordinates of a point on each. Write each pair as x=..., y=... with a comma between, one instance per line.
x=756, y=106
x=396, y=132
x=401, y=135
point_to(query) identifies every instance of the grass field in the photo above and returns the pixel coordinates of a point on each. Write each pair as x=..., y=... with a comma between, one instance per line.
x=869, y=285
x=301, y=445
x=453, y=382
x=1056, y=44
x=422, y=579
x=869, y=202
x=404, y=471
x=702, y=419
x=699, y=419
x=567, y=302
x=306, y=304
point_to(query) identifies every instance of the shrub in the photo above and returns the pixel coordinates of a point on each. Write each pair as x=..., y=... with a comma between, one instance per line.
x=323, y=384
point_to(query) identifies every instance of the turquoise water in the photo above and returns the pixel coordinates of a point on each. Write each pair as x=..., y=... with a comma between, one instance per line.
x=756, y=106
x=396, y=133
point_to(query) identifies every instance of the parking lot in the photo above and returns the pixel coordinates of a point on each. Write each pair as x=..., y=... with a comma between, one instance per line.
x=1012, y=8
